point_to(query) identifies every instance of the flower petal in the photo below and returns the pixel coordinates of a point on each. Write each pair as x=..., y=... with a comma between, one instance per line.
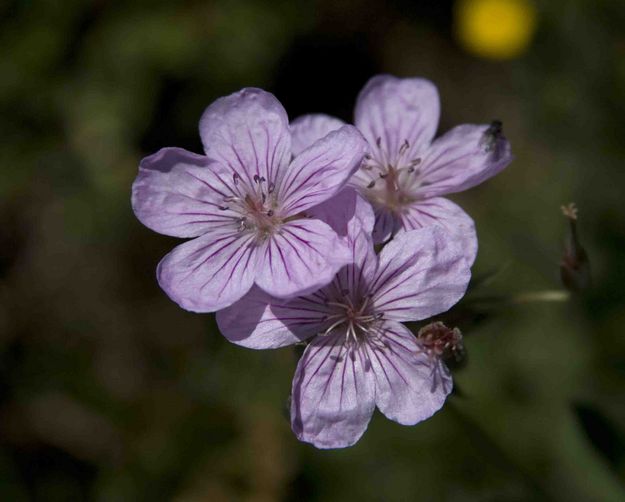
x=446, y=214
x=179, y=193
x=211, y=272
x=304, y=256
x=397, y=110
x=357, y=275
x=260, y=321
x=409, y=385
x=464, y=157
x=322, y=170
x=421, y=273
x=333, y=395
x=347, y=213
x=307, y=129
x=248, y=132
x=385, y=224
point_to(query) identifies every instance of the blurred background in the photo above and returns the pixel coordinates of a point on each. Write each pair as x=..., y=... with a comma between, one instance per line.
x=110, y=392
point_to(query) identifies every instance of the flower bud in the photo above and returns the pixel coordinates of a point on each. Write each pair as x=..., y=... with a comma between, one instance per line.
x=437, y=340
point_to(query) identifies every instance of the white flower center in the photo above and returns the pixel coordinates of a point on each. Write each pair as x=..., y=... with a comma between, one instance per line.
x=394, y=179
x=255, y=211
x=360, y=321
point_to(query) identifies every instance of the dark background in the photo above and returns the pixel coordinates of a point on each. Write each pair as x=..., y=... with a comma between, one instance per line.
x=109, y=391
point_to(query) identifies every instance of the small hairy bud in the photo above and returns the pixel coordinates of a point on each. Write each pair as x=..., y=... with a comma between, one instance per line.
x=440, y=341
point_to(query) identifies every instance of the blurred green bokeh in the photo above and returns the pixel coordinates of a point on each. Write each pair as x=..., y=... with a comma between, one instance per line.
x=109, y=391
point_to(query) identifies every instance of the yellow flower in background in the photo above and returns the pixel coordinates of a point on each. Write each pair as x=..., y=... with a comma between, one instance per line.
x=495, y=29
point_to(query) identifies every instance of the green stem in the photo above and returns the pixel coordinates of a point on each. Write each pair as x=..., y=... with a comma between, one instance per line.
x=548, y=295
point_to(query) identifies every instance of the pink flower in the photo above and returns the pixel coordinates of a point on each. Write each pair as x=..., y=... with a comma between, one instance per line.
x=248, y=206
x=406, y=171
x=360, y=354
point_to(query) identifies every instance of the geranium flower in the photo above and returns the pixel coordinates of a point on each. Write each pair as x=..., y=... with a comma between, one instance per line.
x=405, y=173
x=360, y=354
x=247, y=204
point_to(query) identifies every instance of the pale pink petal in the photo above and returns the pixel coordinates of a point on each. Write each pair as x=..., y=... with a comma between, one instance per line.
x=333, y=394
x=464, y=157
x=444, y=213
x=179, y=193
x=260, y=321
x=321, y=171
x=307, y=129
x=409, y=385
x=210, y=272
x=385, y=224
x=302, y=257
x=421, y=273
x=392, y=111
x=347, y=213
x=248, y=132
x=358, y=274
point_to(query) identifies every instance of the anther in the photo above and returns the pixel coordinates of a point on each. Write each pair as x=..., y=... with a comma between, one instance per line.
x=271, y=187
x=415, y=162
x=383, y=175
x=371, y=185
x=270, y=212
x=235, y=178
x=223, y=208
x=405, y=145
x=378, y=141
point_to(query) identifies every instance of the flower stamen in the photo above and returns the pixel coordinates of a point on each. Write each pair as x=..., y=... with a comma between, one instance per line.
x=355, y=317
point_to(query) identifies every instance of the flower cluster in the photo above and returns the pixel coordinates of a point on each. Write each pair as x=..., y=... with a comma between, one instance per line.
x=283, y=221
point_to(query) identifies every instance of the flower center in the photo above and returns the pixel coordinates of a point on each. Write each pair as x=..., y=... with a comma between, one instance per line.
x=394, y=177
x=256, y=210
x=358, y=319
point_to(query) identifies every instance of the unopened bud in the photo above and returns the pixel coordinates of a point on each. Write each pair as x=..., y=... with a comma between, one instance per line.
x=437, y=340
x=575, y=265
